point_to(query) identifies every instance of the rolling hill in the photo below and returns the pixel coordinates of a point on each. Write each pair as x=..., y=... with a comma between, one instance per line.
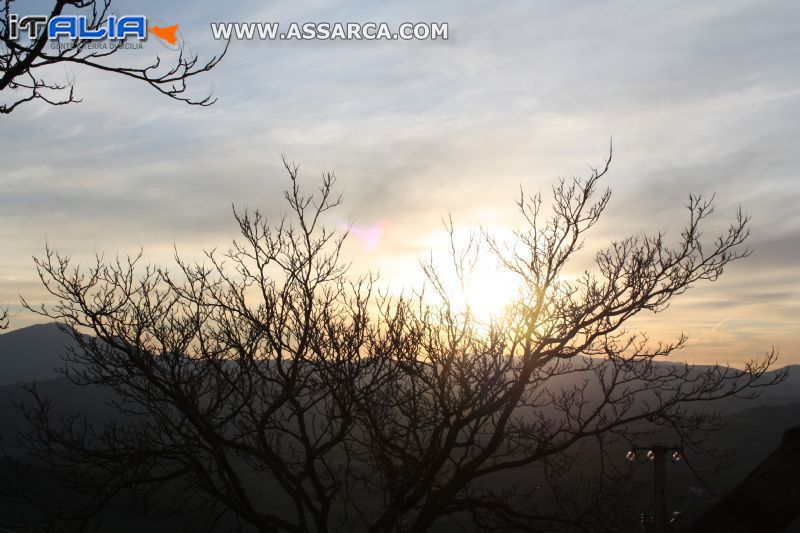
x=32, y=354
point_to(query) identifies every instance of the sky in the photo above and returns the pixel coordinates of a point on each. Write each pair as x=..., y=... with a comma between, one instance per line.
x=699, y=97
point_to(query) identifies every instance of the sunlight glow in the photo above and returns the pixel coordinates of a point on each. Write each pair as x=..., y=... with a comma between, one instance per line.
x=486, y=289
x=487, y=294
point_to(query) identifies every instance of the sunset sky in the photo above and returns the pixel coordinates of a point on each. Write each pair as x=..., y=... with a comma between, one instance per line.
x=698, y=98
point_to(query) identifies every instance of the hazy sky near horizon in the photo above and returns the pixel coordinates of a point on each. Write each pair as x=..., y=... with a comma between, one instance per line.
x=698, y=97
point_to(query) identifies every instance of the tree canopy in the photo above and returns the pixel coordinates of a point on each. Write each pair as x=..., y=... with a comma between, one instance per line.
x=269, y=384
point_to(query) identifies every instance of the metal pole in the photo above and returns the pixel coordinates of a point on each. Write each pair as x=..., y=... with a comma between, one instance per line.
x=660, y=489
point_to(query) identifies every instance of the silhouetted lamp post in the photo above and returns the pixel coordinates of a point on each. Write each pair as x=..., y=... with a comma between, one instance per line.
x=658, y=454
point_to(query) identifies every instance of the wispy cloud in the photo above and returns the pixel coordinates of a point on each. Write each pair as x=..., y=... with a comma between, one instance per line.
x=699, y=97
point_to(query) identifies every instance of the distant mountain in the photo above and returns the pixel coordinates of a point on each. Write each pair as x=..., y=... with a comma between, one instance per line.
x=32, y=354
x=35, y=353
x=784, y=393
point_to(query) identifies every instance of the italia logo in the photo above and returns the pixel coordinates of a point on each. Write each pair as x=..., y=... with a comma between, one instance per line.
x=76, y=27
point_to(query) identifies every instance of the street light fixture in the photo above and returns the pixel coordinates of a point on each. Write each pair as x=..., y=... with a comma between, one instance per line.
x=657, y=454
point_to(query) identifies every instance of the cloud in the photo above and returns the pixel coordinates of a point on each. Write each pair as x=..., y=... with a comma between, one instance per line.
x=699, y=97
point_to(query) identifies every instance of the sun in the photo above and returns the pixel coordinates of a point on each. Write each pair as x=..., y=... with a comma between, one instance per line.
x=481, y=287
x=488, y=293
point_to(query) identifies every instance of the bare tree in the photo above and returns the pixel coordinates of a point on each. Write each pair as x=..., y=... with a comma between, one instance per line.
x=268, y=369
x=558, y=372
x=27, y=65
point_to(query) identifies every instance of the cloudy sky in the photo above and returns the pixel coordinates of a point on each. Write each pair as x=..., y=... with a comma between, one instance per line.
x=698, y=97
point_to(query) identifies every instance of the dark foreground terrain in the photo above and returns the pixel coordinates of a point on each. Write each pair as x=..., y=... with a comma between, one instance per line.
x=753, y=429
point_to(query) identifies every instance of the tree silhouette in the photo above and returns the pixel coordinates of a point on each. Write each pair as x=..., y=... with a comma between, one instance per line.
x=26, y=66
x=269, y=369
